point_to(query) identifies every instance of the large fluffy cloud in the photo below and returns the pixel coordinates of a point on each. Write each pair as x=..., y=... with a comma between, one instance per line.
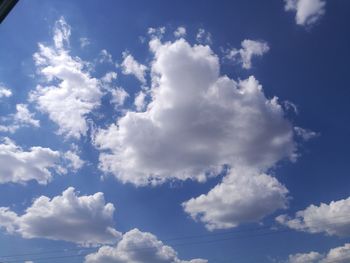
x=86, y=220
x=138, y=247
x=69, y=93
x=332, y=219
x=197, y=122
x=334, y=255
x=243, y=196
x=249, y=49
x=308, y=12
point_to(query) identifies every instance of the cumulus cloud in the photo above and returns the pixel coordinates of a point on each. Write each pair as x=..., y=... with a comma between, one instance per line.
x=196, y=122
x=308, y=12
x=38, y=163
x=249, y=49
x=20, y=166
x=69, y=93
x=338, y=254
x=85, y=220
x=5, y=92
x=332, y=219
x=131, y=67
x=242, y=196
x=136, y=246
x=180, y=32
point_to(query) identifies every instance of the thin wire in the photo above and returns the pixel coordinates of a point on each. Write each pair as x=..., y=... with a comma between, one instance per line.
x=181, y=238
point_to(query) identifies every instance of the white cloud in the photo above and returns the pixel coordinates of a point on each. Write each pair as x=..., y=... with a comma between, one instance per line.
x=136, y=246
x=84, y=41
x=308, y=12
x=338, y=255
x=75, y=163
x=5, y=92
x=119, y=95
x=196, y=122
x=85, y=220
x=243, y=196
x=249, y=49
x=70, y=93
x=305, y=134
x=38, y=163
x=203, y=36
x=290, y=106
x=332, y=219
x=139, y=101
x=105, y=57
x=311, y=257
x=20, y=166
x=180, y=32
x=156, y=32
x=131, y=67
x=22, y=118
x=109, y=77
x=62, y=32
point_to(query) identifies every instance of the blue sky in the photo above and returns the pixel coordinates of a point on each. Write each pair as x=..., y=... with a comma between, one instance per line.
x=193, y=131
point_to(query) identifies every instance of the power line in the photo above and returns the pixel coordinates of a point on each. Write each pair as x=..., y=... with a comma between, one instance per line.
x=207, y=235
x=6, y=7
x=145, y=248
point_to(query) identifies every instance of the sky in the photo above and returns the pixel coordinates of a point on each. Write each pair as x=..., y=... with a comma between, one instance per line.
x=175, y=132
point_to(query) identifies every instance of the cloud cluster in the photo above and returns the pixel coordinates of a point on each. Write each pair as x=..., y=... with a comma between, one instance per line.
x=332, y=219
x=307, y=12
x=136, y=246
x=85, y=220
x=249, y=49
x=338, y=255
x=70, y=93
x=196, y=122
